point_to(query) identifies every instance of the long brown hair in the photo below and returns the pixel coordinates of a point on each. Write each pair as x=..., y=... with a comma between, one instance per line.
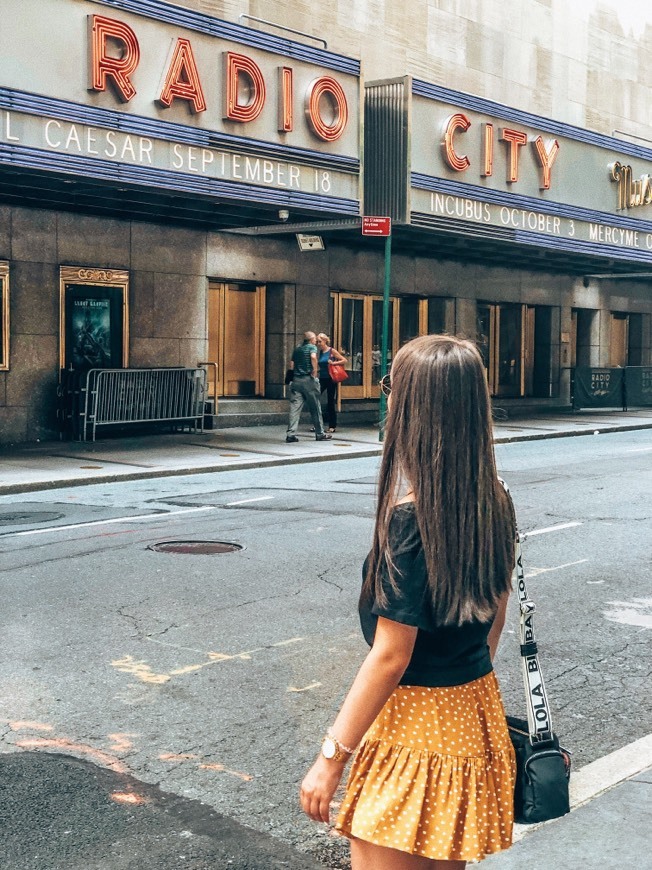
x=438, y=440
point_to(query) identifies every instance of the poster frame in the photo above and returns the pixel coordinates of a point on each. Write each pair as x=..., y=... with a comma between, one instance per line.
x=114, y=280
x=4, y=316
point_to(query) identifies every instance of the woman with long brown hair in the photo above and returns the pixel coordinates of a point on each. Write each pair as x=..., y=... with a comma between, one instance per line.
x=431, y=784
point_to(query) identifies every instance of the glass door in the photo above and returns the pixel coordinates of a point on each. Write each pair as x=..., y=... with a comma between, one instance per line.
x=349, y=339
x=486, y=340
x=510, y=350
x=501, y=337
x=358, y=335
x=375, y=353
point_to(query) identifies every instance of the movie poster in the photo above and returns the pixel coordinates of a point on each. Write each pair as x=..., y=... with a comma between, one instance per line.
x=94, y=327
x=90, y=333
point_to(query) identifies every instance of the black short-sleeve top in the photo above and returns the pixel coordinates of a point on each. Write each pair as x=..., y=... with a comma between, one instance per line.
x=443, y=655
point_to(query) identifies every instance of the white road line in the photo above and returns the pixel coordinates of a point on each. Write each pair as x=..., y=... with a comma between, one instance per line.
x=534, y=572
x=639, y=450
x=249, y=500
x=545, y=531
x=595, y=778
x=159, y=516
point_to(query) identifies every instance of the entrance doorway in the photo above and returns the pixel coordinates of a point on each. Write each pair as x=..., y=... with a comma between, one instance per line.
x=358, y=326
x=358, y=333
x=236, y=337
x=501, y=344
x=515, y=342
x=619, y=343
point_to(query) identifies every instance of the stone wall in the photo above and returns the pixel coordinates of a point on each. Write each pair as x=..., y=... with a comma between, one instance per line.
x=169, y=271
x=585, y=62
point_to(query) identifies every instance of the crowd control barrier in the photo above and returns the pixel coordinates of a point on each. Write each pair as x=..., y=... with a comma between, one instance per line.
x=638, y=386
x=109, y=397
x=626, y=387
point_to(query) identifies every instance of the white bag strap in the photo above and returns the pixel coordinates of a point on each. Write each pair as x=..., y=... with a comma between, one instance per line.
x=536, y=698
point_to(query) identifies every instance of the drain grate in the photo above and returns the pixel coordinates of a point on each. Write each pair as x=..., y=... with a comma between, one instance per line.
x=196, y=548
x=23, y=518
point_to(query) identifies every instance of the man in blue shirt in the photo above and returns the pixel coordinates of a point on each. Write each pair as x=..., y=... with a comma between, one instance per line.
x=305, y=387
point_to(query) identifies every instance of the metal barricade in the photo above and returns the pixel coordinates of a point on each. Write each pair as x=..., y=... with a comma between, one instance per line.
x=164, y=395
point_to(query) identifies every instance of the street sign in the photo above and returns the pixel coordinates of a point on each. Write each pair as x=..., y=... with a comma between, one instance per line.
x=376, y=226
x=310, y=243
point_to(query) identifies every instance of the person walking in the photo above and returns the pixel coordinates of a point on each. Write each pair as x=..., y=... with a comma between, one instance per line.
x=304, y=388
x=328, y=356
x=431, y=784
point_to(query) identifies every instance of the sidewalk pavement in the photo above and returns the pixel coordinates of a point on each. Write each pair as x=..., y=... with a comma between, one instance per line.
x=609, y=832
x=58, y=464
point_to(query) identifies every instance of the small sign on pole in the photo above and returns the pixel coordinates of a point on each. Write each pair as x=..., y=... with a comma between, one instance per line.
x=376, y=226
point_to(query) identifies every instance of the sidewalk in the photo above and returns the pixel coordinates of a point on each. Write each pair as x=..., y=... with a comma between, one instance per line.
x=58, y=464
x=609, y=832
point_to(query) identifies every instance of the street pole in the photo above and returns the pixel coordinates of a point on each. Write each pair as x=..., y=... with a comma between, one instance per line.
x=385, y=338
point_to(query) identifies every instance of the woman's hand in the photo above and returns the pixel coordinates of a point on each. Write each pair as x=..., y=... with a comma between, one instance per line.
x=318, y=788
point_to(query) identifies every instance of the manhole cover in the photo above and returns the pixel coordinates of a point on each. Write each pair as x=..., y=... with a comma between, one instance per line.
x=196, y=548
x=22, y=518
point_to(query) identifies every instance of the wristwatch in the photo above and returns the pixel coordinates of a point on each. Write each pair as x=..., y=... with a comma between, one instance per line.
x=333, y=750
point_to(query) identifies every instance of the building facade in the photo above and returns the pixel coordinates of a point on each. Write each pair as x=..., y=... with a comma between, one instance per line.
x=159, y=163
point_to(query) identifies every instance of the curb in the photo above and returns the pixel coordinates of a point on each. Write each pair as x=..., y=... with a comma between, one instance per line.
x=604, y=430
x=38, y=486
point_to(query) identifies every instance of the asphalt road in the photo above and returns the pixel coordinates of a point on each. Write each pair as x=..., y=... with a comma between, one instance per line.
x=201, y=684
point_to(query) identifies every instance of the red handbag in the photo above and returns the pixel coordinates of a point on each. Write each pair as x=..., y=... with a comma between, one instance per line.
x=337, y=373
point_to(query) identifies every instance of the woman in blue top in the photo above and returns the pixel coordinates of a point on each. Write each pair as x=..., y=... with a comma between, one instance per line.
x=328, y=355
x=431, y=784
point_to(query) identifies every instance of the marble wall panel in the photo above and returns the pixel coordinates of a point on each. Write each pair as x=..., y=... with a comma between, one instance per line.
x=83, y=240
x=5, y=232
x=313, y=267
x=354, y=271
x=403, y=274
x=42, y=424
x=34, y=298
x=280, y=308
x=33, y=373
x=313, y=310
x=192, y=351
x=141, y=304
x=14, y=427
x=34, y=235
x=157, y=248
x=251, y=258
x=154, y=352
x=179, y=306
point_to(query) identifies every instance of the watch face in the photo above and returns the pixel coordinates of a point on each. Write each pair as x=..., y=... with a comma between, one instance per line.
x=328, y=748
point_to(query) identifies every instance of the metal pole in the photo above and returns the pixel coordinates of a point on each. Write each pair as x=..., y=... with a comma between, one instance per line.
x=385, y=338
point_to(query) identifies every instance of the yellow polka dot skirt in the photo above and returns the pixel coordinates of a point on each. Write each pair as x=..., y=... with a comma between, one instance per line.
x=434, y=775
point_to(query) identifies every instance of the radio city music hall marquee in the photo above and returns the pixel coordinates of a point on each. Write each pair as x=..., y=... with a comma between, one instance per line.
x=210, y=104
x=245, y=88
x=468, y=167
x=632, y=192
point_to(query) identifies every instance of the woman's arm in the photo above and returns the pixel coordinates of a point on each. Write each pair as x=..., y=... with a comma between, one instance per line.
x=498, y=625
x=377, y=678
x=336, y=358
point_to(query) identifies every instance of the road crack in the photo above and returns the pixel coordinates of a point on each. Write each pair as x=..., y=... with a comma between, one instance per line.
x=322, y=578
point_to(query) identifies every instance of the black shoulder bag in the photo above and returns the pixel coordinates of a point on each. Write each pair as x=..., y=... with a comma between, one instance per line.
x=542, y=765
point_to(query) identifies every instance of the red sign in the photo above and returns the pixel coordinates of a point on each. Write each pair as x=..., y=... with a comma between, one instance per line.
x=376, y=226
x=182, y=81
